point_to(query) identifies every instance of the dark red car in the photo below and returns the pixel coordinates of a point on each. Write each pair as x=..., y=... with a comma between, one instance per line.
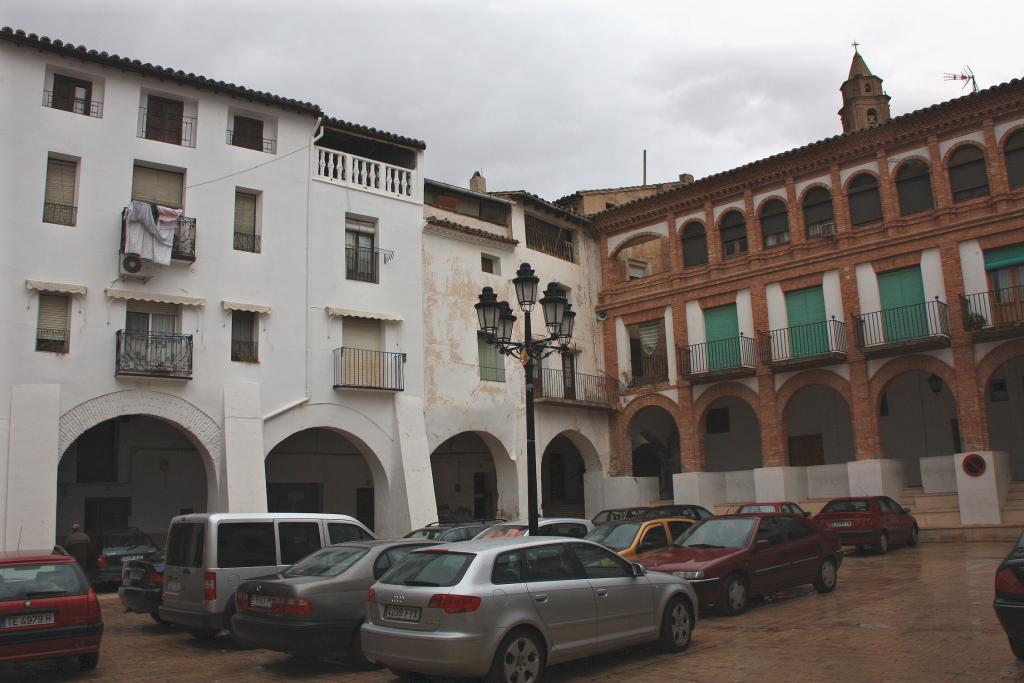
x=732, y=558
x=781, y=506
x=47, y=609
x=876, y=521
x=1009, y=602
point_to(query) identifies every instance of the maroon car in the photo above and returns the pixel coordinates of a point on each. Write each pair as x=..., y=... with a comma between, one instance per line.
x=875, y=521
x=1009, y=601
x=730, y=559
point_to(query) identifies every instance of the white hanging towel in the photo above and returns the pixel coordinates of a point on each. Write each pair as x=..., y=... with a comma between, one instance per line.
x=139, y=228
x=163, y=231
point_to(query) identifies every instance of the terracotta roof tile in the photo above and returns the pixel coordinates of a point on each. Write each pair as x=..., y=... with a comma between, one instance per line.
x=476, y=232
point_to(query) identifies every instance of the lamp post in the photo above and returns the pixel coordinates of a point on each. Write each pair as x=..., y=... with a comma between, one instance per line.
x=497, y=322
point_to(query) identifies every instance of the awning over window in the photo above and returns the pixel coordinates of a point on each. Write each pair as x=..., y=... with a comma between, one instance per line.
x=369, y=315
x=58, y=287
x=251, y=308
x=156, y=297
x=1004, y=257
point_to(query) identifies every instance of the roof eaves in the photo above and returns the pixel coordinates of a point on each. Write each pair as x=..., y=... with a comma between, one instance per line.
x=471, y=193
x=476, y=232
x=531, y=198
x=360, y=129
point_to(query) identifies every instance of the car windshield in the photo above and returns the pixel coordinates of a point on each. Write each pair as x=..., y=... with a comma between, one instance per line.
x=614, y=536
x=503, y=530
x=846, y=506
x=331, y=561
x=757, y=508
x=717, y=533
x=125, y=539
x=429, y=533
x=40, y=580
x=429, y=568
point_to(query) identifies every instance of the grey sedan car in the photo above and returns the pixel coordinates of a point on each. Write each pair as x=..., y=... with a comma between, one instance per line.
x=505, y=608
x=314, y=608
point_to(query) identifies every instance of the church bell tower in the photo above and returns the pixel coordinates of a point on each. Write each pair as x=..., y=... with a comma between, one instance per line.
x=865, y=103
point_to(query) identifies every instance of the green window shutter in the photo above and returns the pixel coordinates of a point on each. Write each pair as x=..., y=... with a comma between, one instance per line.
x=808, y=327
x=722, y=331
x=904, y=314
x=492, y=368
x=1004, y=257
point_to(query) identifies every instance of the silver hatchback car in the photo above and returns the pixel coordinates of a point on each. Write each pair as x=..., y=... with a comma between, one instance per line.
x=505, y=608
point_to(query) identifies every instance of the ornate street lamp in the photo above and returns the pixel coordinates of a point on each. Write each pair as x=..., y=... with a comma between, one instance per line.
x=497, y=321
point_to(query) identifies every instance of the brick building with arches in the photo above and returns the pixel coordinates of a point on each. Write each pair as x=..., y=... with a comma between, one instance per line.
x=844, y=317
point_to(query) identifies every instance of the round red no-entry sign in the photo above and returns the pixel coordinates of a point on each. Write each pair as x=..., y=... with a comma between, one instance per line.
x=974, y=465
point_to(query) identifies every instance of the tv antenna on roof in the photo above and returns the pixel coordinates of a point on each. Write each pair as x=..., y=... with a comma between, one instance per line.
x=965, y=75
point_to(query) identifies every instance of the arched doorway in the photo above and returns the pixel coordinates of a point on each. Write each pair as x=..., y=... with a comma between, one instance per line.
x=654, y=442
x=819, y=430
x=473, y=478
x=321, y=470
x=732, y=436
x=130, y=471
x=1004, y=400
x=917, y=418
x=561, y=473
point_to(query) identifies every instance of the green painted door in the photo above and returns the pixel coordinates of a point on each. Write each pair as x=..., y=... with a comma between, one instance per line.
x=904, y=314
x=722, y=331
x=808, y=330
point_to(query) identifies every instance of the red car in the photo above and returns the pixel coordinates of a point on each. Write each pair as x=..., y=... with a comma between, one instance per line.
x=783, y=506
x=47, y=609
x=732, y=558
x=875, y=521
x=1009, y=601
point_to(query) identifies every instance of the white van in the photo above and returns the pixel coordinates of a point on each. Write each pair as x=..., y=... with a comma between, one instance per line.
x=209, y=554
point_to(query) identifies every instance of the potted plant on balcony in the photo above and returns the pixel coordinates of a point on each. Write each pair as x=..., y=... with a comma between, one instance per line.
x=975, y=321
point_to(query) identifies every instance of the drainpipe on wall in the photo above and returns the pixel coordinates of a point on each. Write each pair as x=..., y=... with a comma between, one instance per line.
x=314, y=138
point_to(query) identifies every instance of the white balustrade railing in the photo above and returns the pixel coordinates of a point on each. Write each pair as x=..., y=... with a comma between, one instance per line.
x=350, y=170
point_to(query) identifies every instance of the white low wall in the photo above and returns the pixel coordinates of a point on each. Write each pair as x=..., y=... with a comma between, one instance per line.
x=602, y=493
x=828, y=481
x=739, y=486
x=780, y=483
x=707, y=489
x=982, y=497
x=938, y=474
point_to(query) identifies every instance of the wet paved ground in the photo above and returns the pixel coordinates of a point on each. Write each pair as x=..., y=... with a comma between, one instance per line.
x=921, y=614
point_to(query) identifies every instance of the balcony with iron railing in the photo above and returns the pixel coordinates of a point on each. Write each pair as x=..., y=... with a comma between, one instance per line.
x=51, y=340
x=153, y=354
x=184, y=247
x=646, y=370
x=567, y=388
x=75, y=105
x=801, y=346
x=362, y=264
x=559, y=247
x=165, y=129
x=893, y=330
x=248, y=241
x=59, y=214
x=998, y=314
x=719, y=359
x=368, y=369
x=252, y=142
x=348, y=170
x=245, y=351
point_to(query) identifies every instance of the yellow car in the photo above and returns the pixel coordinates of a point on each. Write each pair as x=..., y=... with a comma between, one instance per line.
x=634, y=538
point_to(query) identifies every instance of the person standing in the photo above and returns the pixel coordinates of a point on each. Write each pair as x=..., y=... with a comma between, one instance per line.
x=77, y=544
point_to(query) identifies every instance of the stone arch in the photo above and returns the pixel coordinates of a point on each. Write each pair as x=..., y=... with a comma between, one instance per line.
x=726, y=212
x=903, y=364
x=995, y=358
x=505, y=469
x=805, y=380
x=682, y=226
x=1007, y=133
x=201, y=429
x=816, y=184
x=961, y=144
x=858, y=173
x=564, y=482
x=765, y=200
x=706, y=400
x=586, y=448
x=907, y=159
x=633, y=240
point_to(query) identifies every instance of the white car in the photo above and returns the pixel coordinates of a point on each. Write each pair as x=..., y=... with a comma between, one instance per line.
x=547, y=526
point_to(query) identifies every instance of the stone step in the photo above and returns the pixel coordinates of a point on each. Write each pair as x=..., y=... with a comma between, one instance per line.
x=938, y=519
x=925, y=502
x=1001, y=533
x=911, y=491
x=1013, y=516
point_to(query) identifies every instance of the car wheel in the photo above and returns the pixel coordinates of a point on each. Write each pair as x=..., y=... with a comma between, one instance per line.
x=1017, y=645
x=519, y=659
x=883, y=543
x=912, y=541
x=734, y=596
x=88, y=662
x=676, y=626
x=203, y=633
x=827, y=575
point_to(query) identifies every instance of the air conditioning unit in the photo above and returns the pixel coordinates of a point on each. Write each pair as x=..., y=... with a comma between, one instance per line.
x=133, y=267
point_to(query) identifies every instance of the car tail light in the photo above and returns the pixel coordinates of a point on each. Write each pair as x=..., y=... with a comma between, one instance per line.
x=101, y=561
x=155, y=578
x=210, y=587
x=455, y=604
x=241, y=601
x=92, y=613
x=1008, y=583
x=371, y=596
x=292, y=606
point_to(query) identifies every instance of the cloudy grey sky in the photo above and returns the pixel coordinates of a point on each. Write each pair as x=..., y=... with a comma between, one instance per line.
x=554, y=96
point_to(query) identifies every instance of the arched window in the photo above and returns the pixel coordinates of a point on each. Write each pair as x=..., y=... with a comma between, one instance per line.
x=967, y=175
x=774, y=223
x=914, y=187
x=872, y=117
x=865, y=202
x=695, y=244
x=818, y=213
x=1014, y=151
x=867, y=87
x=734, y=234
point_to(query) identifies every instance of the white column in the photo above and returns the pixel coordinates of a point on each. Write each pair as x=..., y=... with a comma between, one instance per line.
x=30, y=514
x=411, y=479
x=244, y=476
x=982, y=497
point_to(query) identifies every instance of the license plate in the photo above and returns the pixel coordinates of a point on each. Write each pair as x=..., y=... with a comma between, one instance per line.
x=401, y=613
x=135, y=574
x=263, y=601
x=17, y=620
x=129, y=558
x=834, y=524
x=172, y=586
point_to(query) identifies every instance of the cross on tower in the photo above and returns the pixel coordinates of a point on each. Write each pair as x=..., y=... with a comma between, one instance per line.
x=855, y=45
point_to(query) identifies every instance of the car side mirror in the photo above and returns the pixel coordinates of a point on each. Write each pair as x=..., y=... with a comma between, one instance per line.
x=906, y=511
x=806, y=513
x=638, y=570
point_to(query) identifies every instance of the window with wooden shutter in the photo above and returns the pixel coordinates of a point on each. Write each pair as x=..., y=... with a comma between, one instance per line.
x=968, y=177
x=1014, y=154
x=865, y=201
x=246, y=238
x=914, y=187
x=774, y=223
x=734, y=234
x=818, y=216
x=72, y=94
x=52, y=329
x=59, y=199
x=247, y=133
x=164, y=119
x=492, y=366
x=164, y=188
x=695, y=244
x=244, y=336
